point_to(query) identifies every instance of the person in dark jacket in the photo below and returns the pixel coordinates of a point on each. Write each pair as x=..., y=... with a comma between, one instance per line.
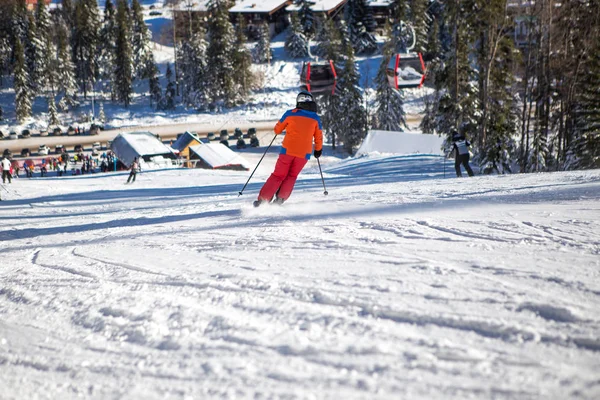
x=460, y=147
x=135, y=165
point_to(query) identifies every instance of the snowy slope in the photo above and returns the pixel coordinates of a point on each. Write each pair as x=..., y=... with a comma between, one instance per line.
x=398, y=285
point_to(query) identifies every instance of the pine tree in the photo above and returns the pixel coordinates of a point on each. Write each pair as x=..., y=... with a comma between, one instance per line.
x=242, y=59
x=584, y=144
x=295, y=42
x=65, y=70
x=32, y=56
x=420, y=22
x=305, y=17
x=353, y=109
x=52, y=113
x=43, y=44
x=85, y=42
x=101, y=115
x=219, y=54
x=123, y=67
x=262, y=51
x=359, y=19
x=330, y=41
x=456, y=95
x=330, y=48
x=153, y=82
x=191, y=62
x=389, y=114
x=140, y=41
x=20, y=20
x=169, y=99
x=503, y=116
x=21, y=84
x=107, y=49
x=5, y=55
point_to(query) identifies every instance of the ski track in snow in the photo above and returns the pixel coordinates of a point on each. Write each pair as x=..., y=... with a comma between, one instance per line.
x=390, y=287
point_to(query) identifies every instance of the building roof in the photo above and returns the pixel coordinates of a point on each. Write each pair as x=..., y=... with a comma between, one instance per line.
x=185, y=140
x=215, y=155
x=320, y=6
x=130, y=145
x=258, y=6
x=380, y=3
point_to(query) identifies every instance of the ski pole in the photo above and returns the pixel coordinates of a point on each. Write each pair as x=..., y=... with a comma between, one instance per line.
x=325, y=192
x=255, y=168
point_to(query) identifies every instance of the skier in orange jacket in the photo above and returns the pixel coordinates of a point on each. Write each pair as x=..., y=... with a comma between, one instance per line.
x=302, y=126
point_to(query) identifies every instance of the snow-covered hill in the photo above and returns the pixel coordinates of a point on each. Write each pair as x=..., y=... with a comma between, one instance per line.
x=401, y=284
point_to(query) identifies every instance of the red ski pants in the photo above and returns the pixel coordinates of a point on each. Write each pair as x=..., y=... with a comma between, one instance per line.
x=282, y=180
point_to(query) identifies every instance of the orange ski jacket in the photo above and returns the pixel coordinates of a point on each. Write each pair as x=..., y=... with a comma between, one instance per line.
x=302, y=127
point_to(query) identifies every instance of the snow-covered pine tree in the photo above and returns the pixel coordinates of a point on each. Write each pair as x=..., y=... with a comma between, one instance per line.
x=242, y=60
x=169, y=98
x=219, y=55
x=359, y=19
x=65, y=71
x=140, y=41
x=153, y=82
x=5, y=55
x=52, y=113
x=330, y=48
x=20, y=20
x=101, y=114
x=123, y=56
x=67, y=12
x=456, y=93
x=85, y=42
x=21, y=84
x=306, y=17
x=43, y=47
x=329, y=39
x=389, y=103
x=32, y=54
x=353, y=108
x=420, y=21
x=296, y=42
x=107, y=48
x=584, y=146
x=262, y=50
x=502, y=115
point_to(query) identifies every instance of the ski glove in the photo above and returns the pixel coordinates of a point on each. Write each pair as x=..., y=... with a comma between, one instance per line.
x=317, y=153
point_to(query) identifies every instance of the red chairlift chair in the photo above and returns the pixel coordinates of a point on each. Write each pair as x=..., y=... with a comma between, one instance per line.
x=318, y=77
x=406, y=71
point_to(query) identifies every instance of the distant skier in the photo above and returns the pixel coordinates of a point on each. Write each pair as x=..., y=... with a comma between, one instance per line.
x=461, y=153
x=135, y=165
x=302, y=126
x=6, y=166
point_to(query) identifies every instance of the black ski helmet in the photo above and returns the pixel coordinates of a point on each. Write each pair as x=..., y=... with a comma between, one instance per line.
x=455, y=134
x=306, y=101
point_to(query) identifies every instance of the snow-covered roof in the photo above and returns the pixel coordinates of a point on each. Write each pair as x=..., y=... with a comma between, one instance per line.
x=320, y=5
x=215, y=155
x=258, y=6
x=184, y=141
x=130, y=145
x=401, y=143
x=195, y=6
x=380, y=3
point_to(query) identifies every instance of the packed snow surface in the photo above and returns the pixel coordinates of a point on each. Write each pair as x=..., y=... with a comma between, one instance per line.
x=400, y=284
